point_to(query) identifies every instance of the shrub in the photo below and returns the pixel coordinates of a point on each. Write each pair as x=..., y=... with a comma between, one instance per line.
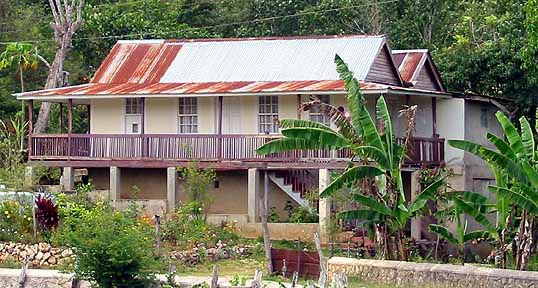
x=111, y=249
x=16, y=222
x=303, y=215
x=186, y=230
x=196, y=182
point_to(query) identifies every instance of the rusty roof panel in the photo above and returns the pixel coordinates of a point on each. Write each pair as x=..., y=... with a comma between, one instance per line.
x=214, y=88
x=409, y=62
x=136, y=63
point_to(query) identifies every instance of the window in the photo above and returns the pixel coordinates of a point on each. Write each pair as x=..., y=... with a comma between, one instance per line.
x=317, y=113
x=188, y=115
x=484, y=117
x=133, y=115
x=133, y=106
x=268, y=114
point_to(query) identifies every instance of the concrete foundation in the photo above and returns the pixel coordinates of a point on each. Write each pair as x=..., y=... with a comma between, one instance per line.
x=171, y=188
x=253, y=195
x=68, y=179
x=115, y=184
x=324, y=206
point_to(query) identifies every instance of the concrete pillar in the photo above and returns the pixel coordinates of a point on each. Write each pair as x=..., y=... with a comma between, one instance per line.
x=253, y=195
x=68, y=179
x=324, y=206
x=29, y=177
x=171, y=188
x=115, y=184
x=416, y=223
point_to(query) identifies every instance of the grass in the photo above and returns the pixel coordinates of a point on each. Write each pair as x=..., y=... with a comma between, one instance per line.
x=227, y=267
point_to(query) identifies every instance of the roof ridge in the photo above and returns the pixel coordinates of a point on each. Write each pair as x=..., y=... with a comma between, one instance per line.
x=240, y=39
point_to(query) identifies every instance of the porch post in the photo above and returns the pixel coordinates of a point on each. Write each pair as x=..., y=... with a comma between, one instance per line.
x=299, y=101
x=434, y=117
x=143, y=116
x=416, y=223
x=69, y=126
x=324, y=206
x=61, y=117
x=89, y=108
x=253, y=195
x=171, y=188
x=30, y=126
x=219, y=129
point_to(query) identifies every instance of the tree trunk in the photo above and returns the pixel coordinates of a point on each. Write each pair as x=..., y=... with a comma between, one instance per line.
x=524, y=243
x=67, y=19
x=265, y=225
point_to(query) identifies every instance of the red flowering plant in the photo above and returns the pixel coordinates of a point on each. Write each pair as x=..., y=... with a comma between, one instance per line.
x=46, y=215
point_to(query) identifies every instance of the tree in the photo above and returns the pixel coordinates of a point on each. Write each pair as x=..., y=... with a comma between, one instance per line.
x=67, y=19
x=375, y=154
x=472, y=204
x=514, y=164
x=24, y=56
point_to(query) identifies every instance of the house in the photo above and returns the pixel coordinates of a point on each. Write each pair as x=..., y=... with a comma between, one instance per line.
x=160, y=104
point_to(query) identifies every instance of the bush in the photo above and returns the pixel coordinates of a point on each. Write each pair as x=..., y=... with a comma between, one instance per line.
x=303, y=215
x=111, y=249
x=16, y=221
x=187, y=230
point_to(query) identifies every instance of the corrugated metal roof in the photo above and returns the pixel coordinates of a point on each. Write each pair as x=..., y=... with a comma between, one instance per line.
x=206, y=89
x=409, y=62
x=212, y=66
x=271, y=60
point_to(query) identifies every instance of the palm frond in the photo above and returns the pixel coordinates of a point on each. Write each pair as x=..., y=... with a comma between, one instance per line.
x=372, y=204
x=327, y=138
x=349, y=175
x=511, y=134
x=343, y=123
x=426, y=195
x=443, y=233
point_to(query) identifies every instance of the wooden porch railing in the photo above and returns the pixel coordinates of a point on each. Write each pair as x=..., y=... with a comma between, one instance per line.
x=194, y=147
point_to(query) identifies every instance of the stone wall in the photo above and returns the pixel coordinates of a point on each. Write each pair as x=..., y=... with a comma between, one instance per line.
x=39, y=255
x=35, y=278
x=408, y=274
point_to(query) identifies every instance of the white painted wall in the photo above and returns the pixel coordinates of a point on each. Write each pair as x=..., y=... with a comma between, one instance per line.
x=451, y=125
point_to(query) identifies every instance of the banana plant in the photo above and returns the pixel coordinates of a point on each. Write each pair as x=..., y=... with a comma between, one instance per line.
x=514, y=163
x=375, y=154
x=465, y=203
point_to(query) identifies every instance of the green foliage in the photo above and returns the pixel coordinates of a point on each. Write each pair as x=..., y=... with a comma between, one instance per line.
x=196, y=183
x=387, y=206
x=303, y=215
x=16, y=222
x=111, y=249
x=187, y=230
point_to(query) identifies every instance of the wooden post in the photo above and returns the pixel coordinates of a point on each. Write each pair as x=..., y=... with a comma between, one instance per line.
x=434, y=117
x=219, y=129
x=89, y=108
x=61, y=117
x=265, y=226
x=299, y=102
x=69, y=126
x=142, y=128
x=30, y=126
x=157, y=222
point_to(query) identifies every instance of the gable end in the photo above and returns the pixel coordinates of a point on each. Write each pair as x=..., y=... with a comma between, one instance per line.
x=383, y=69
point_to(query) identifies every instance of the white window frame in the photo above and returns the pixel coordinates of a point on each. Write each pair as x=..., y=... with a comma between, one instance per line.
x=268, y=110
x=133, y=110
x=316, y=114
x=190, y=104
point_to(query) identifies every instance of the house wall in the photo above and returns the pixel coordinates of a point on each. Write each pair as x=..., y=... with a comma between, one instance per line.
x=451, y=125
x=151, y=182
x=161, y=114
x=231, y=196
x=107, y=116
